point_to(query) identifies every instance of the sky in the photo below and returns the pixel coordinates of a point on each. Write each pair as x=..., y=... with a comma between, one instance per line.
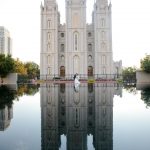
x=130, y=28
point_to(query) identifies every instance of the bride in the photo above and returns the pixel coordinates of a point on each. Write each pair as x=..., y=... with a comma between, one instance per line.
x=76, y=81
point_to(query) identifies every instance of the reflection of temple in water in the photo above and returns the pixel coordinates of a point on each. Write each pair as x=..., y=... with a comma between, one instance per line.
x=6, y=114
x=77, y=114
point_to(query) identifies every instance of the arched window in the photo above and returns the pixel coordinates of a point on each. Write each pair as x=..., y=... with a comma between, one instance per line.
x=48, y=59
x=103, y=35
x=62, y=35
x=103, y=60
x=102, y=22
x=49, y=24
x=62, y=47
x=62, y=57
x=89, y=47
x=89, y=34
x=103, y=46
x=89, y=57
x=90, y=71
x=62, y=71
x=48, y=47
x=104, y=70
x=48, y=36
x=76, y=41
x=48, y=70
x=76, y=64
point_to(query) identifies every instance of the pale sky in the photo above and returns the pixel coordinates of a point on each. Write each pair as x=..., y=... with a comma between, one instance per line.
x=130, y=26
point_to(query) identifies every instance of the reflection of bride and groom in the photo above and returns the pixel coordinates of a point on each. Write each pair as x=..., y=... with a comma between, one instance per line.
x=76, y=82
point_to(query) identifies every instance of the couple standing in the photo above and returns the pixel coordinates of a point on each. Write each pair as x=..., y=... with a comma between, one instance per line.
x=76, y=82
x=76, y=79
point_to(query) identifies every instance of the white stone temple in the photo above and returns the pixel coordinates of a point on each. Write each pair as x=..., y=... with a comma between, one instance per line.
x=77, y=47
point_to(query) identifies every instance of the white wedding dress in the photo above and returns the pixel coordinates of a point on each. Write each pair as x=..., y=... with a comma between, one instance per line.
x=76, y=84
x=76, y=81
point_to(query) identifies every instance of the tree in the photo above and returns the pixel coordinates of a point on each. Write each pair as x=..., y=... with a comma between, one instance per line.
x=145, y=64
x=129, y=74
x=27, y=89
x=33, y=70
x=20, y=67
x=6, y=96
x=145, y=96
x=7, y=65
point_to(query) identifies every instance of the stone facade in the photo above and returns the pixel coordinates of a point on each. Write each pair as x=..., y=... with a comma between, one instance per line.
x=5, y=41
x=77, y=113
x=142, y=79
x=10, y=79
x=76, y=47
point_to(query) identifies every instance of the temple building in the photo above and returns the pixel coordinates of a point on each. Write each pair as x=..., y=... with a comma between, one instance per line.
x=77, y=47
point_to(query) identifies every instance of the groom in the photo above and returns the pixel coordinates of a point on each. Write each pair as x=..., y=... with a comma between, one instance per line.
x=74, y=77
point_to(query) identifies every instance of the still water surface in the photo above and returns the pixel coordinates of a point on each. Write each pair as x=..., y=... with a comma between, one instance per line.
x=61, y=117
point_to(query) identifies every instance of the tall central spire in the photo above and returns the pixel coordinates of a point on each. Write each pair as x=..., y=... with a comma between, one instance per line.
x=76, y=1
x=48, y=2
x=102, y=2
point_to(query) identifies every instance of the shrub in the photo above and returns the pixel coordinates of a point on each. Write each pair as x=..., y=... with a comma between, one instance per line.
x=145, y=64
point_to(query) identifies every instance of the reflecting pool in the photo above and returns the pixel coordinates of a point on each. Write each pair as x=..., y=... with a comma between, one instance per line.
x=100, y=116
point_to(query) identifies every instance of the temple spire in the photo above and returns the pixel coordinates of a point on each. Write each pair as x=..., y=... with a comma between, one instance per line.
x=102, y=2
x=49, y=0
x=76, y=1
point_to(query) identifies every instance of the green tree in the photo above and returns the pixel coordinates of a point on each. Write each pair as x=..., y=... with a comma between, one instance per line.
x=7, y=65
x=129, y=74
x=6, y=96
x=32, y=89
x=130, y=88
x=145, y=63
x=20, y=67
x=145, y=96
x=32, y=69
x=27, y=89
